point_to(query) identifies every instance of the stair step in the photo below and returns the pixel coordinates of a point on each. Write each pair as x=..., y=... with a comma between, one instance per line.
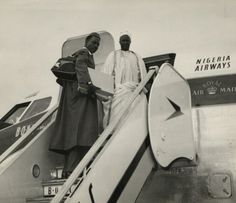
x=59, y=167
x=53, y=182
x=39, y=199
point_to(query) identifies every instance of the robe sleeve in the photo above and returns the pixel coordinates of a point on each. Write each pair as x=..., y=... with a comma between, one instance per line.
x=81, y=67
x=108, y=66
x=143, y=70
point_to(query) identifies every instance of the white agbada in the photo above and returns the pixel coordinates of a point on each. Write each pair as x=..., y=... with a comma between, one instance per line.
x=128, y=70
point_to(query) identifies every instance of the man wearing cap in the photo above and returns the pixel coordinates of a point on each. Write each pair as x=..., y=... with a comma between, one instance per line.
x=128, y=70
x=76, y=125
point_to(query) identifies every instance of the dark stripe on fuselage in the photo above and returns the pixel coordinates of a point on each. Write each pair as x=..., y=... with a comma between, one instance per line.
x=128, y=173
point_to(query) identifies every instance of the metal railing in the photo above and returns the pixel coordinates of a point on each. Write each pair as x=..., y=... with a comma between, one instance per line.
x=81, y=170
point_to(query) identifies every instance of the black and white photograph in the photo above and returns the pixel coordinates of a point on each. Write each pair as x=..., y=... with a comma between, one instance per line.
x=106, y=101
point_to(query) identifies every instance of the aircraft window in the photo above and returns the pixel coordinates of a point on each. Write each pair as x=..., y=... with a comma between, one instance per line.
x=15, y=113
x=36, y=107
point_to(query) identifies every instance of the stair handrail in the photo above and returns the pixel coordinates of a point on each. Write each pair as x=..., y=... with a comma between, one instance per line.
x=101, y=139
x=18, y=142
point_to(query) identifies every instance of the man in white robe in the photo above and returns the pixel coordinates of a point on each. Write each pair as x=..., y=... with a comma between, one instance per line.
x=128, y=70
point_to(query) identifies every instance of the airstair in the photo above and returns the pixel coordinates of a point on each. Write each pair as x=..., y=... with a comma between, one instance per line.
x=116, y=166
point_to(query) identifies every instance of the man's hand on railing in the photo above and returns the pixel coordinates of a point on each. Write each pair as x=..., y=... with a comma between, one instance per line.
x=91, y=89
x=88, y=89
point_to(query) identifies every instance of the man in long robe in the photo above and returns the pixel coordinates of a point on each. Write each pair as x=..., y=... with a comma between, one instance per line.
x=128, y=69
x=76, y=125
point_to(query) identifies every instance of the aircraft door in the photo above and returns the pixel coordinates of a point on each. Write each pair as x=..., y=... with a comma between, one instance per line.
x=106, y=46
x=169, y=117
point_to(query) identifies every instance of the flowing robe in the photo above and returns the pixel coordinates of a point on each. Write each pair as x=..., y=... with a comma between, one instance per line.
x=128, y=70
x=77, y=118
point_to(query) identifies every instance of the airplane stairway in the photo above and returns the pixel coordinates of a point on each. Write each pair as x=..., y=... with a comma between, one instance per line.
x=116, y=166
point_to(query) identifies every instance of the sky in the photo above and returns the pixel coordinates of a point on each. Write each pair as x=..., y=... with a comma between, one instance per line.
x=33, y=31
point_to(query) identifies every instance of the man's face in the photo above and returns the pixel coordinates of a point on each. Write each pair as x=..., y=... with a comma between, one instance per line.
x=93, y=44
x=125, y=42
